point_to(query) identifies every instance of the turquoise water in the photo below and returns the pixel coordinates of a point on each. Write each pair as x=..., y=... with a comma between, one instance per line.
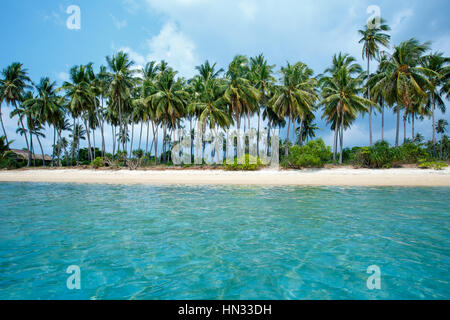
x=144, y=242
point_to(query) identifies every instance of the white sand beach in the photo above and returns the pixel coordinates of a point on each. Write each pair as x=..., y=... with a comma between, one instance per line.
x=313, y=177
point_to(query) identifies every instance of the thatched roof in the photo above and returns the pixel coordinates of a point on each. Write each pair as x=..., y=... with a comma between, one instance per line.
x=24, y=155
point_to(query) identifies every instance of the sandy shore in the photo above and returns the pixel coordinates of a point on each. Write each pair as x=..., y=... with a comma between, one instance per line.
x=319, y=177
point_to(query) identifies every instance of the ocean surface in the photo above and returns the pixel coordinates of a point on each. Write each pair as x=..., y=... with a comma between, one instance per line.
x=198, y=242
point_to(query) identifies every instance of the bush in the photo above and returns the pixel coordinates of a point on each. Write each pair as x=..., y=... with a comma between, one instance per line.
x=245, y=165
x=424, y=164
x=381, y=155
x=83, y=154
x=8, y=159
x=312, y=155
x=98, y=162
x=138, y=153
x=411, y=153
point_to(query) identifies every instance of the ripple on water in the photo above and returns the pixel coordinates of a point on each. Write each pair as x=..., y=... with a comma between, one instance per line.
x=168, y=242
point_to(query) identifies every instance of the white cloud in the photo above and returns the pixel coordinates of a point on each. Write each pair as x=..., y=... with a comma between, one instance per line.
x=174, y=47
x=170, y=45
x=63, y=76
x=135, y=56
x=119, y=24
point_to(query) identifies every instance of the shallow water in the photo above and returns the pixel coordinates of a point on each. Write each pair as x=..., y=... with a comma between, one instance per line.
x=145, y=242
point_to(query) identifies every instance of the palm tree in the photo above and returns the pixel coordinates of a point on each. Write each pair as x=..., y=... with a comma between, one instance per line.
x=78, y=134
x=61, y=125
x=149, y=74
x=308, y=130
x=12, y=87
x=122, y=81
x=445, y=90
x=169, y=100
x=62, y=145
x=78, y=92
x=378, y=93
x=402, y=79
x=208, y=71
x=239, y=92
x=46, y=104
x=27, y=111
x=211, y=106
x=437, y=63
x=341, y=97
x=102, y=82
x=295, y=97
x=39, y=134
x=261, y=77
x=441, y=129
x=373, y=37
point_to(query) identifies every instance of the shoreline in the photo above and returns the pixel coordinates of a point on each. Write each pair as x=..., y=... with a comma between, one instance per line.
x=404, y=177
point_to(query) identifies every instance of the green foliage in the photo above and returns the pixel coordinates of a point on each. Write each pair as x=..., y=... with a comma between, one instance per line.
x=381, y=155
x=312, y=155
x=8, y=160
x=411, y=153
x=83, y=155
x=98, y=162
x=138, y=153
x=245, y=165
x=436, y=165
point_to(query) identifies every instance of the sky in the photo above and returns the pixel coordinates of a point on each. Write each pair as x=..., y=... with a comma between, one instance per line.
x=185, y=33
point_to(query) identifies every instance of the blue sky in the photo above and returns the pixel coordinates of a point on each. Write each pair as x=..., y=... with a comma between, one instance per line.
x=187, y=32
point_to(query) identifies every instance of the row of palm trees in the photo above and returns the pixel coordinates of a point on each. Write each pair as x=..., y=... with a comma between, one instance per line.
x=411, y=80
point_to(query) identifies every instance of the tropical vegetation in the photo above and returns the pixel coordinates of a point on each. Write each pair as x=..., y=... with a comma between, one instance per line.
x=152, y=105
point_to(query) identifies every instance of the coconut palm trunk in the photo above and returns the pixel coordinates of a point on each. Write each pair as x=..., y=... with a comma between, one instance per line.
x=286, y=148
x=102, y=129
x=88, y=132
x=164, y=142
x=58, y=146
x=156, y=144
x=54, y=146
x=31, y=150
x=404, y=126
x=382, y=121
x=341, y=138
x=412, y=126
x=3, y=126
x=335, y=140
x=368, y=97
x=434, y=126
x=148, y=133
x=397, y=132
x=42, y=150
x=153, y=140
x=294, y=122
x=113, y=140
x=132, y=138
x=73, y=142
x=300, y=139
x=26, y=140
x=140, y=135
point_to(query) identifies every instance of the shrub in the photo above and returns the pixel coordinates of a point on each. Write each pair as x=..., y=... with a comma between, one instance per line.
x=138, y=153
x=98, y=162
x=424, y=164
x=411, y=153
x=312, y=155
x=380, y=155
x=245, y=165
